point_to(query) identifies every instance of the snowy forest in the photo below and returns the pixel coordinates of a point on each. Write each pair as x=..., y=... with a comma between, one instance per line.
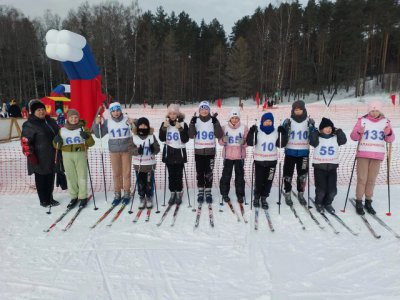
x=160, y=58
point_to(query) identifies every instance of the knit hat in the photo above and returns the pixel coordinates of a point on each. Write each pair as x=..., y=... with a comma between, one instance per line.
x=325, y=122
x=298, y=104
x=72, y=112
x=204, y=105
x=115, y=106
x=267, y=129
x=141, y=121
x=235, y=112
x=375, y=105
x=34, y=105
x=173, y=108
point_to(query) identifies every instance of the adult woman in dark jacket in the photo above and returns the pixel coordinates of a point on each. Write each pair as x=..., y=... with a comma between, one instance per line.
x=37, y=136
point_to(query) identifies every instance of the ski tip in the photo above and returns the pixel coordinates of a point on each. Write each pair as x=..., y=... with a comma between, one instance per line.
x=46, y=230
x=388, y=214
x=130, y=212
x=343, y=210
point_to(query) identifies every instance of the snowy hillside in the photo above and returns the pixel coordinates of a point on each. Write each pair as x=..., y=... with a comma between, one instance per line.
x=230, y=261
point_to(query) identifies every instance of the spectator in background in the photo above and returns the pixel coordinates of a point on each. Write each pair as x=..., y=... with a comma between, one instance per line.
x=24, y=113
x=4, y=111
x=14, y=110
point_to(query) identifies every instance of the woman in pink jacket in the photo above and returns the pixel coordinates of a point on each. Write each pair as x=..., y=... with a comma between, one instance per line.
x=372, y=131
x=234, y=153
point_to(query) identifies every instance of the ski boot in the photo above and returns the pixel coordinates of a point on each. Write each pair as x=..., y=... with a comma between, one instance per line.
x=226, y=198
x=149, y=202
x=178, y=198
x=126, y=198
x=171, y=200
x=200, y=195
x=240, y=199
x=72, y=203
x=319, y=207
x=288, y=198
x=264, y=203
x=54, y=202
x=83, y=203
x=117, y=199
x=300, y=197
x=142, y=203
x=209, y=198
x=329, y=208
x=368, y=207
x=256, y=201
x=359, y=208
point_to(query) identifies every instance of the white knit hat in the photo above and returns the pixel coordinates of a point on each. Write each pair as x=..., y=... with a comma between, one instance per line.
x=115, y=106
x=235, y=112
x=204, y=105
x=173, y=108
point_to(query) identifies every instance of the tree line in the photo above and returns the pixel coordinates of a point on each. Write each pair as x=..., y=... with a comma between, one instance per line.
x=161, y=58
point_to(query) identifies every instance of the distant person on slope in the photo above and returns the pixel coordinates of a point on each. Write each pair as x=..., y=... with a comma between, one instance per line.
x=73, y=140
x=120, y=144
x=37, y=137
x=372, y=131
x=234, y=153
x=325, y=162
x=204, y=129
x=174, y=132
x=14, y=110
x=297, y=132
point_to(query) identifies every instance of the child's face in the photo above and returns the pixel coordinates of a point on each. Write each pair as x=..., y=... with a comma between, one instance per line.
x=298, y=111
x=172, y=115
x=116, y=113
x=267, y=123
x=143, y=126
x=234, y=120
x=73, y=120
x=204, y=112
x=374, y=113
x=327, y=130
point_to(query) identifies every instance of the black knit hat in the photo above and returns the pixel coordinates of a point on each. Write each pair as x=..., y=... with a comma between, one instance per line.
x=34, y=105
x=141, y=121
x=325, y=122
x=298, y=104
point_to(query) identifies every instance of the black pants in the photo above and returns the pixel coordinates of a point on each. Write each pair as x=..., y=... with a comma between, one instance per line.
x=264, y=178
x=204, y=170
x=325, y=186
x=145, y=182
x=45, y=187
x=301, y=164
x=225, y=182
x=175, y=177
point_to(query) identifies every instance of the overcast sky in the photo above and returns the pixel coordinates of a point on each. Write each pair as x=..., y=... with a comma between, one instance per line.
x=226, y=11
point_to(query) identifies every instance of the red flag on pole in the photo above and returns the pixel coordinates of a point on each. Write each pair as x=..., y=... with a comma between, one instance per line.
x=393, y=96
x=219, y=102
x=258, y=99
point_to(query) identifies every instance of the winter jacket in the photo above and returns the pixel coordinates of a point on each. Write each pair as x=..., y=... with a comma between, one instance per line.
x=233, y=152
x=218, y=133
x=172, y=155
x=76, y=147
x=40, y=134
x=135, y=148
x=252, y=141
x=314, y=141
x=14, y=111
x=114, y=145
x=356, y=136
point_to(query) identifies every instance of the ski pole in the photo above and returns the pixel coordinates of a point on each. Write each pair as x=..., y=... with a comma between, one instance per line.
x=134, y=192
x=252, y=168
x=388, y=158
x=165, y=181
x=280, y=175
x=155, y=189
x=55, y=163
x=194, y=171
x=90, y=176
x=102, y=161
x=184, y=169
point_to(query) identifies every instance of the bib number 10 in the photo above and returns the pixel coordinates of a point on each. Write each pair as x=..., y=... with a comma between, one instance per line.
x=269, y=146
x=205, y=135
x=300, y=135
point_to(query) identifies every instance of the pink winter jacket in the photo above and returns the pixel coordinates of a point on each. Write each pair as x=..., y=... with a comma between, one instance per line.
x=234, y=152
x=356, y=136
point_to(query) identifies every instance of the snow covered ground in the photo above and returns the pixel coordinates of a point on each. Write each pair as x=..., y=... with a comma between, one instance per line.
x=229, y=261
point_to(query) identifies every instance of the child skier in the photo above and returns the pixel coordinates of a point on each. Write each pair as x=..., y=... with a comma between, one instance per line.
x=73, y=140
x=265, y=139
x=326, y=162
x=174, y=132
x=234, y=153
x=371, y=131
x=204, y=130
x=119, y=144
x=145, y=147
x=297, y=132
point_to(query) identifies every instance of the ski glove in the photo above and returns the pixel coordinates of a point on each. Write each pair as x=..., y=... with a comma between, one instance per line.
x=58, y=140
x=387, y=131
x=193, y=120
x=281, y=129
x=311, y=122
x=214, y=118
x=85, y=135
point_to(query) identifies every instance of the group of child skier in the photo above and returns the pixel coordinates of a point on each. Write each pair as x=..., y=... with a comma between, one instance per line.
x=134, y=139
